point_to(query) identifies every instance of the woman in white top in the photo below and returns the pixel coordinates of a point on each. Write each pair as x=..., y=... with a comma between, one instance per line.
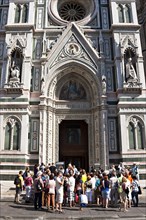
x=59, y=191
x=51, y=192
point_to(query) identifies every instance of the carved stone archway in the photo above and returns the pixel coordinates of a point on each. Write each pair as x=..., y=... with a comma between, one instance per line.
x=53, y=111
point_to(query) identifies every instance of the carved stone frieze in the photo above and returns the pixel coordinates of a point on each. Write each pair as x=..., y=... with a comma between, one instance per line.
x=133, y=110
x=13, y=87
x=132, y=86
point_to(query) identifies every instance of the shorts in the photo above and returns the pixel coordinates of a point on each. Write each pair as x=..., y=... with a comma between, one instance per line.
x=105, y=194
x=18, y=190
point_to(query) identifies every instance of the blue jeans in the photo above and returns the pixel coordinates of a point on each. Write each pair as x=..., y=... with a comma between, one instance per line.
x=38, y=200
x=135, y=198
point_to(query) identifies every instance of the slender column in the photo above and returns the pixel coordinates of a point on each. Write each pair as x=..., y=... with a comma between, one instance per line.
x=135, y=136
x=50, y=137
x=104, y=160
x=12, y=137
x=42, y=141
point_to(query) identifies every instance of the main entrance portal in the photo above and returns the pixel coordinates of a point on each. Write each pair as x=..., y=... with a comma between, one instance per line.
x=73, y=143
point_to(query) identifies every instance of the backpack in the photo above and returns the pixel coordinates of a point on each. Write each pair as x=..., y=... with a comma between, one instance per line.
x=125, y=188
x=38, y=185
x=17, y=180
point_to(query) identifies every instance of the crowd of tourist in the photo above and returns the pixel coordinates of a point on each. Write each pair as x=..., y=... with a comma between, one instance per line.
x=53, y=188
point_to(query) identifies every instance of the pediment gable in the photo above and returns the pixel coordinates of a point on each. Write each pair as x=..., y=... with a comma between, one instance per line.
x=72, y=45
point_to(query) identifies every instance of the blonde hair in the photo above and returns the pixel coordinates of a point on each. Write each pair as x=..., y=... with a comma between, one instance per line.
x=124, y=179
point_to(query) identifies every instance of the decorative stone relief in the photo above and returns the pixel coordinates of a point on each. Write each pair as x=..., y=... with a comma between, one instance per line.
x=4, y=16
x=73, y=50
x=17, y=41
x=105, y=16
x=112, y=134
x=133, y=110
x=107, y=49
x=38, y=48
x=109, y=79
x=35, y=135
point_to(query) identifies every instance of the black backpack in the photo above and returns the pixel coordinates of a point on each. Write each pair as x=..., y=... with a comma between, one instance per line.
x=39, y=185
x=17, y=180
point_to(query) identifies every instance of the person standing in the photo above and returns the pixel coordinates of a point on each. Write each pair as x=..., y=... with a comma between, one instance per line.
x=59, y=191
x=88, y=189
x=28, y=186
x=135, y=171
x=135, y=185
x=38, y=188
x=71, y=189
x=105, y=190
x=51, y=192
x=114, y=189
x=125, y=191
x=19, y=186
x=52, y=168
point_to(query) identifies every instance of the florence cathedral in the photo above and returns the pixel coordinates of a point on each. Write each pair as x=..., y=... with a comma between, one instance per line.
x=72, y=83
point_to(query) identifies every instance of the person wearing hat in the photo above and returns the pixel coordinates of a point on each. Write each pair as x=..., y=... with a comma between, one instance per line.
x=38, y=188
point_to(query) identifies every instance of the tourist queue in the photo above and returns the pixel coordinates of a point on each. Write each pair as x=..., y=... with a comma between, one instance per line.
x=53, y=188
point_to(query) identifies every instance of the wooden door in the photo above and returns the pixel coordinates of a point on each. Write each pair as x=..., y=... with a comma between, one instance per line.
x=73, y=143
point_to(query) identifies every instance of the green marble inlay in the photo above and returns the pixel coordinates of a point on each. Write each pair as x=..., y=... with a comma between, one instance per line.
x=17, y=160
x=13, y=100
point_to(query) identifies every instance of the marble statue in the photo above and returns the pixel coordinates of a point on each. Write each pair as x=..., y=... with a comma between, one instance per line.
x=15, y=71
x=103, y=85
x=130, y=71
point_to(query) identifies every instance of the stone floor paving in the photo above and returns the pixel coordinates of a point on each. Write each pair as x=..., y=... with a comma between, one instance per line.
x=10, y=210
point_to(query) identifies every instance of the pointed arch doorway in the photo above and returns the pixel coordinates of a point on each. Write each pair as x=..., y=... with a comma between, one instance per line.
x=73, y=143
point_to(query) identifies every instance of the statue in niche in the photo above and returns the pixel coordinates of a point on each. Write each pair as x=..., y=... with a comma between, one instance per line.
x=104, y=85
x=130, y=71
x=42, y=86
x=72, y=91
x=14, y=71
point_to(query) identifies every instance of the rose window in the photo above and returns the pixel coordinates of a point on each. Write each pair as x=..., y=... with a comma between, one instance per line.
x=72, y=11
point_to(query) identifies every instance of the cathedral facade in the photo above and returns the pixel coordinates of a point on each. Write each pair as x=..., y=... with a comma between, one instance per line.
x=72, y=84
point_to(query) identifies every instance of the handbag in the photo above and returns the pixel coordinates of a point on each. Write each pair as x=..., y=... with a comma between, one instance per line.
x=139, y=190
x=84, y=199
x=76, y=198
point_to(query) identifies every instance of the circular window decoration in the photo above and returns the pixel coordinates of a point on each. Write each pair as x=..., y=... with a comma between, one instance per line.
x=72, y=11
x=62, y=12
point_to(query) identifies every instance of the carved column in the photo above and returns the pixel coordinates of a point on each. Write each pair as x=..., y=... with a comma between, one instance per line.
x=50, y=136
x=104, y=153
x=97, y=136
x=42, y=139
